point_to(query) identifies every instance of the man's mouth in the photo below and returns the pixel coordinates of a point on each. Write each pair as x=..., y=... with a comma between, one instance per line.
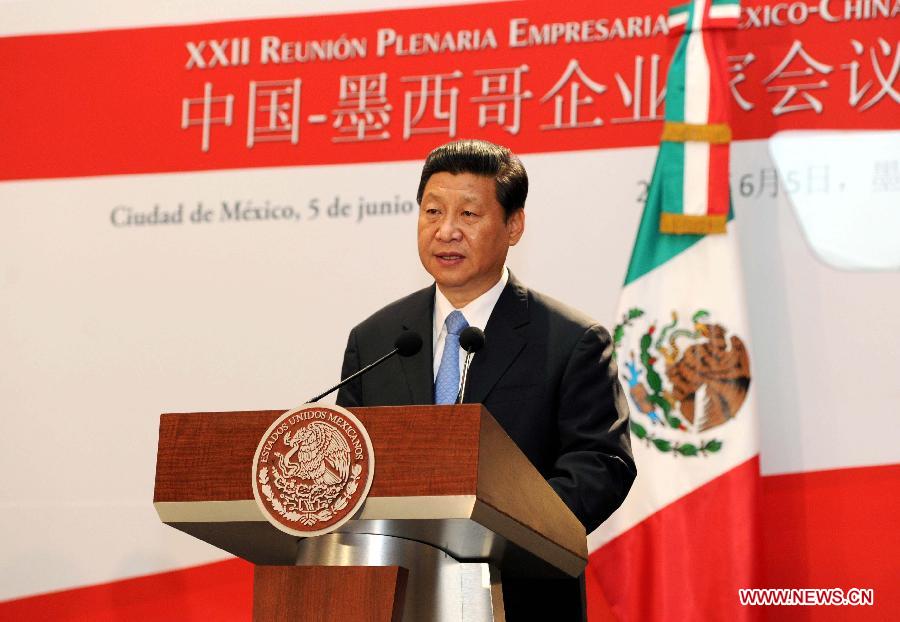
x=449, y=258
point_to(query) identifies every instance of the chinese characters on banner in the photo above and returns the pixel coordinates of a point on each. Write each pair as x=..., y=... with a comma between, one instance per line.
x=383, y=107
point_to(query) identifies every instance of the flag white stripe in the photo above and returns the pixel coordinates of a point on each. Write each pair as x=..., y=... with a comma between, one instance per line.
x=675, y=285
x=678, y=19
x=697, y=17
x=721, y=11
x=696, y=178
x=696, y=110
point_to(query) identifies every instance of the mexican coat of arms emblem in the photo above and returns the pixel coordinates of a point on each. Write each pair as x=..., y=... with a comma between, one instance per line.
x=683, y=381
x=313, y=469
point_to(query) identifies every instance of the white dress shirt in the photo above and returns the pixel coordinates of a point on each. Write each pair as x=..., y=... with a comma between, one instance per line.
x=477, y=313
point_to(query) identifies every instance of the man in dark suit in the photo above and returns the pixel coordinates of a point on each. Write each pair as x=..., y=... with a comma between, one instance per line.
x=545, y=373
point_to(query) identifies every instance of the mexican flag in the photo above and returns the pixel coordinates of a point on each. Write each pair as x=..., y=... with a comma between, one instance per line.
x=686, y=538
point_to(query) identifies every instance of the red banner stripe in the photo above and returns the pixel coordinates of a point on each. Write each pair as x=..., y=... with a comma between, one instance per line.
x=220, y=591
x=113, y=102
x=834, y=528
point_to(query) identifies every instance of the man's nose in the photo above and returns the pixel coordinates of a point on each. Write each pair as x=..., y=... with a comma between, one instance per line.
x=449, y=229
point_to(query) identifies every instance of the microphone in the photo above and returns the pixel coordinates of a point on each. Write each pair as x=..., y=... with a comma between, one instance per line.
x=471, y=340
x=407, y=343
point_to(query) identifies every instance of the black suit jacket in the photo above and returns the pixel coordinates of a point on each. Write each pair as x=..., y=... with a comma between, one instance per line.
x=547, y=376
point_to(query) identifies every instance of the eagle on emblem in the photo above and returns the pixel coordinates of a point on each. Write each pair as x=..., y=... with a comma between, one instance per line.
x=322, y=455
x=723, y=370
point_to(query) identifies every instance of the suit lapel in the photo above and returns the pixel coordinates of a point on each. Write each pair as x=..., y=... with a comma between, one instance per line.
x=419, y=368
x=504, y=341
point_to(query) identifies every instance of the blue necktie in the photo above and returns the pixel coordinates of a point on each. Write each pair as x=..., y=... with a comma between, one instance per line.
x=446, y=385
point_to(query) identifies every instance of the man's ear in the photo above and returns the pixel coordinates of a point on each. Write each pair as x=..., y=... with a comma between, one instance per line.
x=515, y=226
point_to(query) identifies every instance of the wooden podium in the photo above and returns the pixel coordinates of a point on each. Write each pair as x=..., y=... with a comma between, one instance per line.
x=453, y=504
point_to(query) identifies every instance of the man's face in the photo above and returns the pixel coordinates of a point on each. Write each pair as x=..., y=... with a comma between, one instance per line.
x=463, y=238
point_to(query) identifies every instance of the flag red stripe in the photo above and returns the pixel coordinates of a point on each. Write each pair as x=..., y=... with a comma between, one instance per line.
x=648, y=572
x=718, y=192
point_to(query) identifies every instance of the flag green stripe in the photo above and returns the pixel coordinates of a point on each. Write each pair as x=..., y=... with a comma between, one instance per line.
x=652, y=248
x=674, y=110
x=670, y=164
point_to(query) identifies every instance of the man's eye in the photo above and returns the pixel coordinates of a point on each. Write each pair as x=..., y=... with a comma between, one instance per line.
x=469, y=214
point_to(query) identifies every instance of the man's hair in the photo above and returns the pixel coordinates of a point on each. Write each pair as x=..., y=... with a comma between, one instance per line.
x=480, y=157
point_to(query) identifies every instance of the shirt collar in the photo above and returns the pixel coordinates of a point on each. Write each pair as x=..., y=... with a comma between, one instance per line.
x=477, y=312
